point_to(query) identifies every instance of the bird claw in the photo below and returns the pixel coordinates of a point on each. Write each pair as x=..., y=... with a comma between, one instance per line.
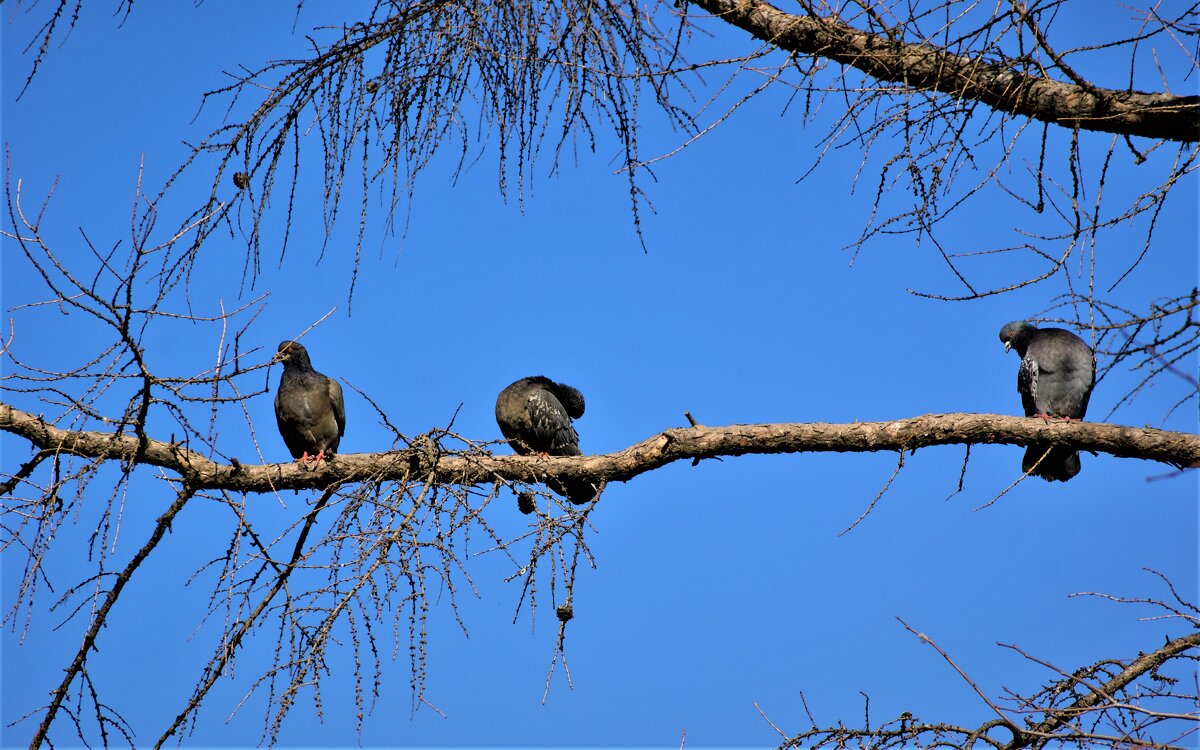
x=315, y=461
x=1048, y=417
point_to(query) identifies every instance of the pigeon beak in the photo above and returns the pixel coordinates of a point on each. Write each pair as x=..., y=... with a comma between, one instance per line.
x=1007, y=346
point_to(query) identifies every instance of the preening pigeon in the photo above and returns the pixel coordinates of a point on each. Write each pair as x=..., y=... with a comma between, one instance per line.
x=308, y=406
x=535, y=416
x=1055, y=379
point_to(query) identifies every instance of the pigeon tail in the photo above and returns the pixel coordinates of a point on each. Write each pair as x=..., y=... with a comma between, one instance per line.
x=1059, y=465
x=578, y=491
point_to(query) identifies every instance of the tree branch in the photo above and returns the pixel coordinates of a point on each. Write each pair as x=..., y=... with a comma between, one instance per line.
x=432, y=463
x=229, y=645
x=927, y=67
x=1103, y=695
x=100, y=619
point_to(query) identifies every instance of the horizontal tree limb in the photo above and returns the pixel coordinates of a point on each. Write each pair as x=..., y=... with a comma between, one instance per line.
x=927, y=67
x=428, y=462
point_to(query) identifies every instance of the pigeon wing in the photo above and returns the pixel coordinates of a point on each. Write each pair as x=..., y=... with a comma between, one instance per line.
x=552, y=426
x=339, y=405
x=1065, y=374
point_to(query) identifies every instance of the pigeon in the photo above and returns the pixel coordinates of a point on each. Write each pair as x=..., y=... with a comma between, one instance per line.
x=1055, y=379
x=308, y=406
x=535, y=415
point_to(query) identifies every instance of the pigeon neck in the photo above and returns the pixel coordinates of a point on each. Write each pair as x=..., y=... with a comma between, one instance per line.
x=1021, y=340
x=298, y=363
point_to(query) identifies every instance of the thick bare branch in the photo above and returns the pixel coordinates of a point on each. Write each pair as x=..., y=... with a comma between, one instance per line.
x=1175, y=448
x=927, y=67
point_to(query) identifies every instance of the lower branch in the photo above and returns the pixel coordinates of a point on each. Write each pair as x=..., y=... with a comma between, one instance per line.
x=227, y=649
x=101, y=617
x=1099, y=697
x=1116, y=714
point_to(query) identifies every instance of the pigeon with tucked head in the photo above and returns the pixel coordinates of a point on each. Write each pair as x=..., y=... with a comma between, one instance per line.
x=535, y=415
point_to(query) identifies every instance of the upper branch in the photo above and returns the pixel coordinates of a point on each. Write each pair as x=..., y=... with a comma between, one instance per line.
x=431, y=463
x=923, y=66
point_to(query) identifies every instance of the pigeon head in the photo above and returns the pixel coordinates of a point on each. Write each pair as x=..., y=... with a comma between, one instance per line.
x=1016, y=334
x=292, y=354
x=572, y=400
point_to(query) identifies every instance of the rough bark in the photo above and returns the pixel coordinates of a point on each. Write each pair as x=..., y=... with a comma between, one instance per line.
x=430, y=463
x=927, y=67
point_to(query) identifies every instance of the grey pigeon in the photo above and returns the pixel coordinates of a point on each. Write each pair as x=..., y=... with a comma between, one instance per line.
x=308, y=406
x=535, y=416
x=1055, y=379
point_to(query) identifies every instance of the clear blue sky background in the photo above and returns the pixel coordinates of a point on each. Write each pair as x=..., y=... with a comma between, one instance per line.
x=717, y=587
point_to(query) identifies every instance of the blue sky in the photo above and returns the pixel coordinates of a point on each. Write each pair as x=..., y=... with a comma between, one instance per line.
x=717, y=587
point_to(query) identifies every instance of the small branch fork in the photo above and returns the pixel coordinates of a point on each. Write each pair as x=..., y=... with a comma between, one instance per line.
x=1174, y=448
x=1089, y=697
x=1113, y=703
